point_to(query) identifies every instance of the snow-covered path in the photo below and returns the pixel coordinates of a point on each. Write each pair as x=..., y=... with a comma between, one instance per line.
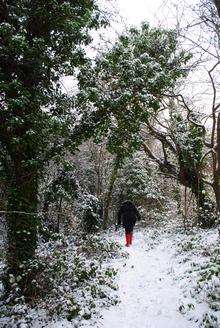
x=149, y=295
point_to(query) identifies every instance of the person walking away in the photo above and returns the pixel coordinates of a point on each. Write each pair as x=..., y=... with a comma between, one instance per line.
x=127, y=216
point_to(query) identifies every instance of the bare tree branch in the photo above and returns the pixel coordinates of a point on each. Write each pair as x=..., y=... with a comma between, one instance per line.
x=213, y=104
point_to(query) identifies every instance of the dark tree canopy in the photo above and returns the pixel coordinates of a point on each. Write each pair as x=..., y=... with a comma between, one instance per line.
x=41, y=41
x=125, y=85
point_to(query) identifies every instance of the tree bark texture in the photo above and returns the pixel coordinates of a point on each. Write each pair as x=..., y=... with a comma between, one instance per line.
x=217, y=4
x=216, y=173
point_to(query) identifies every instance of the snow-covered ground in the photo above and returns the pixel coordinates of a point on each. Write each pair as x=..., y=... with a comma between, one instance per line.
x=168, y=280
x=149, y=295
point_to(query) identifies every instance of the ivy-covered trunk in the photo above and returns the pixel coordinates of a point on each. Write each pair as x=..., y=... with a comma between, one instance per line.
x=39, y=44
x=190, y=177
x=206, y=208
x=22, y=221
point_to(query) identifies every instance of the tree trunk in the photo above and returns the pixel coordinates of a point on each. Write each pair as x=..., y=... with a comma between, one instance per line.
x=216, y=171
x=108, y=196
x=190, y=177
x=98, y=182
x=185, y=209
x=99, y=159
x=59, y=208
x=217, y=191
x=217, y=4
x=22, y=222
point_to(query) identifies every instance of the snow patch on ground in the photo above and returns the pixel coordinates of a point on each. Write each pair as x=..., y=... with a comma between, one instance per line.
x=149, y=295
x=158, y=282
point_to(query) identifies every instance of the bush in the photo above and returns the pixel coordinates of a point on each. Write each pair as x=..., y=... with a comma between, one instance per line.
x=71, y=283
x=90, y=213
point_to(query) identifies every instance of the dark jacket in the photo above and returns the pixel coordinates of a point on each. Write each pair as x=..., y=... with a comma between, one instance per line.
x=128, y=215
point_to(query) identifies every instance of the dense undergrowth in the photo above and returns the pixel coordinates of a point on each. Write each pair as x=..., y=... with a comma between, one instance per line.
x=199, y=259
x=77, y=277
x=72, y=283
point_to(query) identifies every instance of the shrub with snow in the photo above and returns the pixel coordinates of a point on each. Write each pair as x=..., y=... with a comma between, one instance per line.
x=73, y=282
x=89, y=213
x=200, y=253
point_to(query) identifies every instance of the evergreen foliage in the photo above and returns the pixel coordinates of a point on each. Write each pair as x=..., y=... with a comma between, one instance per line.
x=41, y=41
x=125, y=85
x=90, y=213
x=190, y=150
x=41, y=125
